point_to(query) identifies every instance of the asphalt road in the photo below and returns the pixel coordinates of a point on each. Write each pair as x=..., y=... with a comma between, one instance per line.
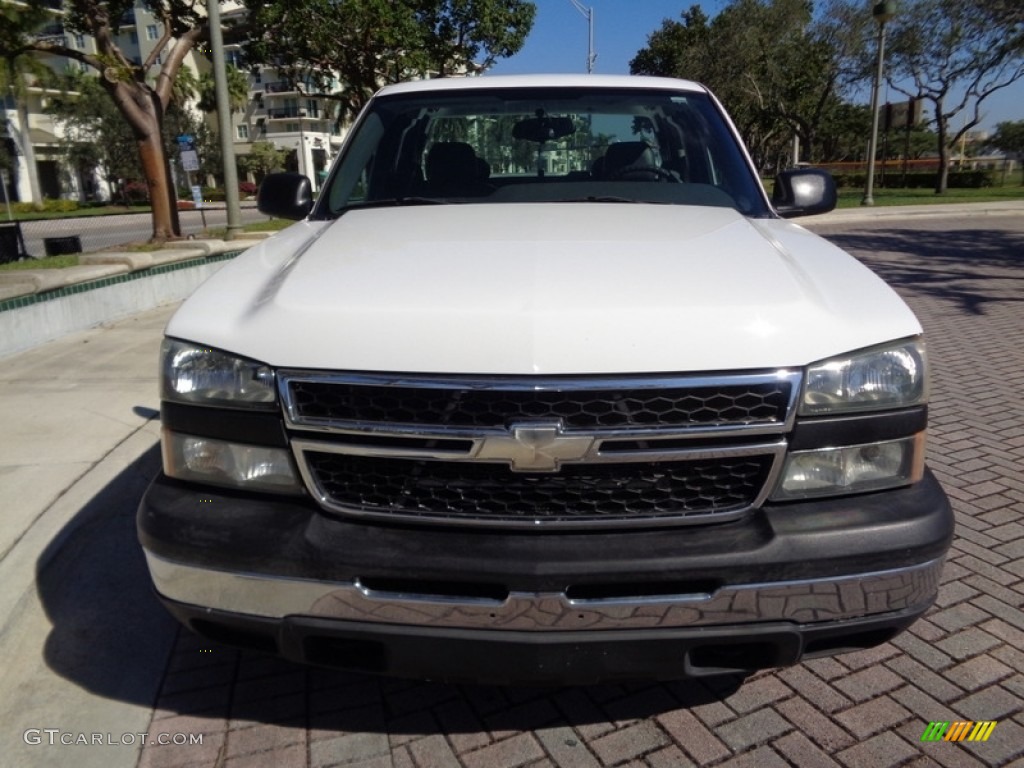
x=88, y=650
x=99, y=232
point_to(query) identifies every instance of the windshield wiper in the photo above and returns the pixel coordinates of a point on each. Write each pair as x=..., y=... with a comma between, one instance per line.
x=394, y=201
x=609, y=199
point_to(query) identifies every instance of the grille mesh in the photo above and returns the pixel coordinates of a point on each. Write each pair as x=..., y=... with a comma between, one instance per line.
x=578, y=493
x=729, y=404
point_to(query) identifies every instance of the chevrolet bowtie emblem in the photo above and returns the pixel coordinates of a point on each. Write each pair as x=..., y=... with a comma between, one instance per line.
x=535, y=447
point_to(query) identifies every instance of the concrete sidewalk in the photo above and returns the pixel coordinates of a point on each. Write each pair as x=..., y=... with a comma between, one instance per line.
x=83, y=643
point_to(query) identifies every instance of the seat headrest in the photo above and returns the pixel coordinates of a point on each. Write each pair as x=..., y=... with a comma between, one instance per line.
x=629, y=154
x=449, y=161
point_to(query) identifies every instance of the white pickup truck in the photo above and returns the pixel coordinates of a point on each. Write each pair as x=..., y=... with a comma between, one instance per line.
x=543, y=388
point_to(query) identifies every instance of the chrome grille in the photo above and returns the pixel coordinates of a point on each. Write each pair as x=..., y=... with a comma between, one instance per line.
x=539, y=451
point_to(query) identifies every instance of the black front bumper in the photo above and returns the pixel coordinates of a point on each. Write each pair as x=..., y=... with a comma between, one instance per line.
x=498, y=657
x=292, y=539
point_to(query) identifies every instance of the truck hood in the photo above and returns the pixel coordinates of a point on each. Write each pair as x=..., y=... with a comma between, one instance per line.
x=543, y=288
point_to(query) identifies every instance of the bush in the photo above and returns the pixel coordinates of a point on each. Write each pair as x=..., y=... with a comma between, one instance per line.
x=894, y=179
x=972, y=179
x=61, y=206
x=136, y=192
x=48, y=206
x=213, y=195
x=247, y=188
x=852, y=179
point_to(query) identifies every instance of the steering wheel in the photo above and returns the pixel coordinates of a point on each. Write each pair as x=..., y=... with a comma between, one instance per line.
x=661, y=173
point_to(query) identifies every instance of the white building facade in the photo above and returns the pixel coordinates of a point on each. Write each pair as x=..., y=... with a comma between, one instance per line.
x=277, y=111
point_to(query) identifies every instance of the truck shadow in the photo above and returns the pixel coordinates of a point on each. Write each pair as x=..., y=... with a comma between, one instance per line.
x=108, y=634
x=974, y=268
x=111, y=637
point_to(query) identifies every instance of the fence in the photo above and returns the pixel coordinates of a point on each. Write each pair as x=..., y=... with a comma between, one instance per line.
x=928, y=164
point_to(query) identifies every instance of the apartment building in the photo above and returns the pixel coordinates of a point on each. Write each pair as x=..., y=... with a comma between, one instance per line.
x=30, y=134
x=289, y=116
x=277, y=111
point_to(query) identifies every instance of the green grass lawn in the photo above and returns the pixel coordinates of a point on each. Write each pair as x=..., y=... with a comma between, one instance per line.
x=50, y=262
x=102, y=210
x=850, y=198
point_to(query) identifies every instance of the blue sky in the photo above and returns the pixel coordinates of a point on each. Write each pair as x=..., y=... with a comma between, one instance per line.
x=558, y=43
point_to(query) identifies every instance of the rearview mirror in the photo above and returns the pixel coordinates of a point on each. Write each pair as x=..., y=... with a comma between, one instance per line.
x=286, y=196
x=804, y=192
x=542, y=129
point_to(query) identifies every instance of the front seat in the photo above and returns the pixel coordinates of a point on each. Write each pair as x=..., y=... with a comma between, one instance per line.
x=454, y=170
x=633, y=160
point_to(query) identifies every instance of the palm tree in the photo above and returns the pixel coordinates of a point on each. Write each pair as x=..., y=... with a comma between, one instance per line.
x=238, y=90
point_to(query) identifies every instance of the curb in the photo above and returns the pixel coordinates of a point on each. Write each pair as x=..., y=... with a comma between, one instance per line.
x=53, y=306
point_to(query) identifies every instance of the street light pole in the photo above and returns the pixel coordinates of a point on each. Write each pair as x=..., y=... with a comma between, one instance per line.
x=882, y=12
x=227, y=144
x=588, y=14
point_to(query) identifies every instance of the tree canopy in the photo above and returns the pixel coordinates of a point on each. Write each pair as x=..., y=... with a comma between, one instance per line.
x=345, y=49
x=783, y=67
x=95, y=133
x=1009, y=137
x=141, y=91
x=955, y=55
x=777, y=69
x=263, y=158
x=348, y=50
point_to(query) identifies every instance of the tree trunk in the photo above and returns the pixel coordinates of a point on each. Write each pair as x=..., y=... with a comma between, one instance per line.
x=942, y=177
x=143, y=110
x=154, y=168
x=29, y=152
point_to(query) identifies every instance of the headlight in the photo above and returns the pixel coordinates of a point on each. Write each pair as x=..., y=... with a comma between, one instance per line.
x=851, y=469
x=891, y=376
x=218, y=462
x=194, y=374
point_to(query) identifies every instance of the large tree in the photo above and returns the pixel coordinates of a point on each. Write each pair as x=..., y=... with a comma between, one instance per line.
x=346, y=50
x=777, y=69
x=142, y=91
x=1009, y=138
x=955, y=55
x=96, y=136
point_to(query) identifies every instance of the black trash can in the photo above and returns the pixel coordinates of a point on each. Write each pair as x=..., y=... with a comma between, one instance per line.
x=58, y=246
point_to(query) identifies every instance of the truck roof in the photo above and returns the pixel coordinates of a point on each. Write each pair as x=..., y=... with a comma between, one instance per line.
x=538, y=81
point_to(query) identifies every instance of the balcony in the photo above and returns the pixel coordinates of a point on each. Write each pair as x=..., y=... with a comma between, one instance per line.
x=51, y=33
x=281, y=86
x=290, y=86
x=284, y=113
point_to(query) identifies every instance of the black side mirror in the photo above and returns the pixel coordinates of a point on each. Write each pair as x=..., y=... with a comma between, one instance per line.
x=804, y=192
x=285, y=196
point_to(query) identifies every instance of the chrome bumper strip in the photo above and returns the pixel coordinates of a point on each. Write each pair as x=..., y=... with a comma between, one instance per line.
x=807, y=601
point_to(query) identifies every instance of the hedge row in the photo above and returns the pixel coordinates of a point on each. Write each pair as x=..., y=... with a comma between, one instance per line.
x=895, y=179
x=49, y=206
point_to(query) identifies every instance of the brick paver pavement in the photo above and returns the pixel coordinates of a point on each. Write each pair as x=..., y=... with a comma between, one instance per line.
x=965, y=660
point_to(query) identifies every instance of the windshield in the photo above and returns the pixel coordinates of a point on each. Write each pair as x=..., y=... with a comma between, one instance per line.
x=516, y=145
